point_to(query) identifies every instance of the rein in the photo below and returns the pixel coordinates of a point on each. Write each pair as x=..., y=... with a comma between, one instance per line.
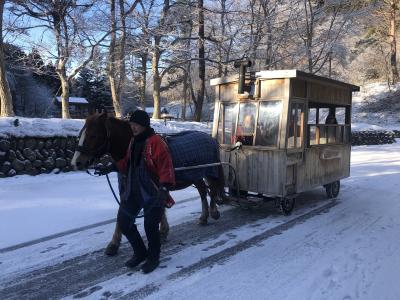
x=116, y=198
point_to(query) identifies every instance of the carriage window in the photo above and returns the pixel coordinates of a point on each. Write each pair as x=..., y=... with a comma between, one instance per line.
x=323, y=114
x=226, y=123
x=312, y=116
x=246, y=123
x=268, y=123
x=341, y=115
x=295, y=126
x=329, y=126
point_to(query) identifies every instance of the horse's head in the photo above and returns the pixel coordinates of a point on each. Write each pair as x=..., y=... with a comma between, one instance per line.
x=94, y=141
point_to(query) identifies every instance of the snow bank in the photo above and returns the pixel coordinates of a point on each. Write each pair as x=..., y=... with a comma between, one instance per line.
x=36, y=127
x=376, y=106
x=55, y=127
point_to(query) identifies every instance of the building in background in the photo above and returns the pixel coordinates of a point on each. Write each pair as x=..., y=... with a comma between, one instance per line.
x=79, y=107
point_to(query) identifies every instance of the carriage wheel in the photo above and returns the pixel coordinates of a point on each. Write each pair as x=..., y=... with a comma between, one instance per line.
x=332, y=189
x=286, y=205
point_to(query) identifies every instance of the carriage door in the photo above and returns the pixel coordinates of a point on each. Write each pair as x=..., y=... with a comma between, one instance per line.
x=294, y=143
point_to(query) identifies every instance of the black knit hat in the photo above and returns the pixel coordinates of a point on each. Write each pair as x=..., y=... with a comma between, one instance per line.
x=140, y=117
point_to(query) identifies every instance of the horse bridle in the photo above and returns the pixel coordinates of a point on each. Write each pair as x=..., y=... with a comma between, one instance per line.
x=95, y=153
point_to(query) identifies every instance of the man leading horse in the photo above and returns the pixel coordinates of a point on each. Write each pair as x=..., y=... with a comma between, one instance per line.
x=149, y=174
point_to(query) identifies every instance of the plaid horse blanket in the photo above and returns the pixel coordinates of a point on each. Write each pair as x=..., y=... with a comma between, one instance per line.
x=193, y=148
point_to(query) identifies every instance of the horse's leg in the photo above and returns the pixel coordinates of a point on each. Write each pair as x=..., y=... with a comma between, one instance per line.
x=164, y=227
x=202, y=188
x=214, y=188
x=112, y=247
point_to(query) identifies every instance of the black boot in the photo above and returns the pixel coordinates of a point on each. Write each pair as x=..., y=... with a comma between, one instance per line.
x=135, y=261
x=150, y=265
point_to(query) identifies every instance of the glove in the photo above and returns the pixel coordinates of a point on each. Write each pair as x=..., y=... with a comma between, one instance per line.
x=162, y=194
x=101, y=169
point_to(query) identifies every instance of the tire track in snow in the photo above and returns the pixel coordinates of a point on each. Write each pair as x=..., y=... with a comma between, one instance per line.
x=225, y=254
x=75, y=230
x=82, y=273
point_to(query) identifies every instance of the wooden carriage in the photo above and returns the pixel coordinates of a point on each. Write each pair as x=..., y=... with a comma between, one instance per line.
x=293, y=129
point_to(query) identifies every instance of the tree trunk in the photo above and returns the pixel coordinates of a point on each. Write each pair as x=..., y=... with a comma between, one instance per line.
x=156, y=77
x=223, y=30
x=112, y=61
x=202, y=64
x=6, y=104
x=143, y=81
x=114, y=96
x=309, y=19
x=392, y=38
x=121, y=58
x=64, y=96
x=184, y=96
x=156, y=60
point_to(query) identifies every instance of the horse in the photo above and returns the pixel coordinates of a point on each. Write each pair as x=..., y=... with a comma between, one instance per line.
x=102, y=135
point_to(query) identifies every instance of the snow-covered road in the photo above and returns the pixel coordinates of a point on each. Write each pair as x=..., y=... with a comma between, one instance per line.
x=343, y=249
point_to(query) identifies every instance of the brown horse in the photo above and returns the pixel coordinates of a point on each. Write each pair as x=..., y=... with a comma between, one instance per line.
x=102, y=134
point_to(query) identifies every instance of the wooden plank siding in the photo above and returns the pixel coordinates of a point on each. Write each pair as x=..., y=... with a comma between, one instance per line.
x=322, y=165
x=257, y=170
x=329, y=94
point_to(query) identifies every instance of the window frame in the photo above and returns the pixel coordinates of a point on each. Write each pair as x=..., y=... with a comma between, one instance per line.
x=344, y=131
x=279, y=122
x=221, y=116
x=296, y=103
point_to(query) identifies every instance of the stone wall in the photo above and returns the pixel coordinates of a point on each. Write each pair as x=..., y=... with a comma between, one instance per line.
x=373, y=137
x=34, y=156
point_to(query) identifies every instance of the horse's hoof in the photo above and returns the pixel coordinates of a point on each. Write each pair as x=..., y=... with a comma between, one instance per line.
x=220, y=200
x=202, y=221
x=111, y=249
x=215, y=215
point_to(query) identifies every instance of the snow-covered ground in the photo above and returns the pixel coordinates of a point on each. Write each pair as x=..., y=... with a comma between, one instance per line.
x=53, y=229
x=348, y=250
x=376, y=107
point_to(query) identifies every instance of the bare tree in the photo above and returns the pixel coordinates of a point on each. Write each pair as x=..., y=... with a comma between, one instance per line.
x=66, y=20
x=117, y=53
x=320, y=26
x=6, y=105
x=158, y=34
x=393, y=4
x=202, y=64
x=387, y=11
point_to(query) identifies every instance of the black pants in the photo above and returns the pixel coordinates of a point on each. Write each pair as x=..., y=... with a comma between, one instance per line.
x=152, y=218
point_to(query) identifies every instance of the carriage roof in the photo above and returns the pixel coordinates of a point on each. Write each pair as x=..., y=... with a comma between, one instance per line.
x=280, y=74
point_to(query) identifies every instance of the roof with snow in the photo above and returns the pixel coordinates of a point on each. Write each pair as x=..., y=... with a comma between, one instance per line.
x=74, y=100
x=150, y=109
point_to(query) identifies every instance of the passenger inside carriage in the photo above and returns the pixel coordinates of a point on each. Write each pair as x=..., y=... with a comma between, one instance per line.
x=245, y=130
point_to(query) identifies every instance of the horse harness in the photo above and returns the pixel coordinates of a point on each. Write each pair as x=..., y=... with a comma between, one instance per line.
x=104, y=148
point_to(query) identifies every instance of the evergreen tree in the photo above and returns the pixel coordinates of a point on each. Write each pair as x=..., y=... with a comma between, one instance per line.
x=93, y=86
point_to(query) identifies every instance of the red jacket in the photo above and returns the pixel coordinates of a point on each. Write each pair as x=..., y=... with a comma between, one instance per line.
x=158, y=162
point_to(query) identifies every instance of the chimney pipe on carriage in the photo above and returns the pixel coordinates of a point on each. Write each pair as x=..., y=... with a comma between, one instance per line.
x=242, y=65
